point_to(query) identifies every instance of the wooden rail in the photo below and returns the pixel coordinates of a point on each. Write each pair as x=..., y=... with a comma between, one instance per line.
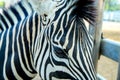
x=111, y=49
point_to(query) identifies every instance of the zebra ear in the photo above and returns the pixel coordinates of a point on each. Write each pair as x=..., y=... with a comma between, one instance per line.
x=86, y=9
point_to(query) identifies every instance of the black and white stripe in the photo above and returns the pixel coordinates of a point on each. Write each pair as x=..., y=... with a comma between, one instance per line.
x=56, y=47
x=10, y=20
x=14, y=14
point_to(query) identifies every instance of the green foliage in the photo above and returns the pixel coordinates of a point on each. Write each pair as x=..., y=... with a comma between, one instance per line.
x=2, y=4
x=112, y=5
x=116, y=7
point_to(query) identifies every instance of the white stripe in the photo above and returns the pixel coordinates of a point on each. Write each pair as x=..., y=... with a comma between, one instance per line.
x=7, y=21
x=13, y=56
x=20, y=11
x=6, y=56
x=12, y=16
x=68, y=34
x=23, y=43
x=3, y=25
x=27, y=6
x=41, y=55
x=2, y=39
x=19, y=54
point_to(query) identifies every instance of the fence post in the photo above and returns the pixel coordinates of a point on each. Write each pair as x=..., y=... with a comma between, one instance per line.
x=118, y=76
x=96, y=31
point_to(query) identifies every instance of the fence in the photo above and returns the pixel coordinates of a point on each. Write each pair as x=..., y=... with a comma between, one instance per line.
x=111, y=49
x=106, y=47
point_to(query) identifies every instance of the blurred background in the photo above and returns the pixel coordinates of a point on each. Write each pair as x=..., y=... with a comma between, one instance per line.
x=111, y=29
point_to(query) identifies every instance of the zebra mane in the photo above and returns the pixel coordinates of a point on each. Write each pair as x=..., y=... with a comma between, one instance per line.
x=86, y=9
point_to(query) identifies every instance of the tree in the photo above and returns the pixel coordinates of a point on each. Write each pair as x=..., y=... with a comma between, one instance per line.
x=112, y=5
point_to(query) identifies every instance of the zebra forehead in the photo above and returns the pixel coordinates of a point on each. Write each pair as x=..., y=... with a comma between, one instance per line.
x=47, y=5
x=43, y=6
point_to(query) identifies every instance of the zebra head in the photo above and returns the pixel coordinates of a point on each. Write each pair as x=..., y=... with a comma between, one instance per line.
x=68, y=44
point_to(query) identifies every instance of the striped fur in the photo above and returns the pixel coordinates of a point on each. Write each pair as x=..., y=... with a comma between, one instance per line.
x=14, y=14
x=56, y=45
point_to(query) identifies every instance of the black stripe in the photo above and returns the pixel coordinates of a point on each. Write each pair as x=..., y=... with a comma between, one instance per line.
x=21, y=44
x=2, y=56
x=15, y=12
x=9, y=72
x=1, y=28
x=27, y=47
x=23, y=9
x=42, y=42
x=7, y=15
x=4, y=21
x=61, y=75
x=72, y=33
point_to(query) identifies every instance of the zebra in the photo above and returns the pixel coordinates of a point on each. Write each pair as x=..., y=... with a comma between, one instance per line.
x=53, y=41
x=14, y=14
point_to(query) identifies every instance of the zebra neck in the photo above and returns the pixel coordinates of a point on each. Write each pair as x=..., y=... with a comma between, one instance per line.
x=14, y=14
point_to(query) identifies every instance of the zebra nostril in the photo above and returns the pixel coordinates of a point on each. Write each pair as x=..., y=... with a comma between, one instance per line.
x=45, y=15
